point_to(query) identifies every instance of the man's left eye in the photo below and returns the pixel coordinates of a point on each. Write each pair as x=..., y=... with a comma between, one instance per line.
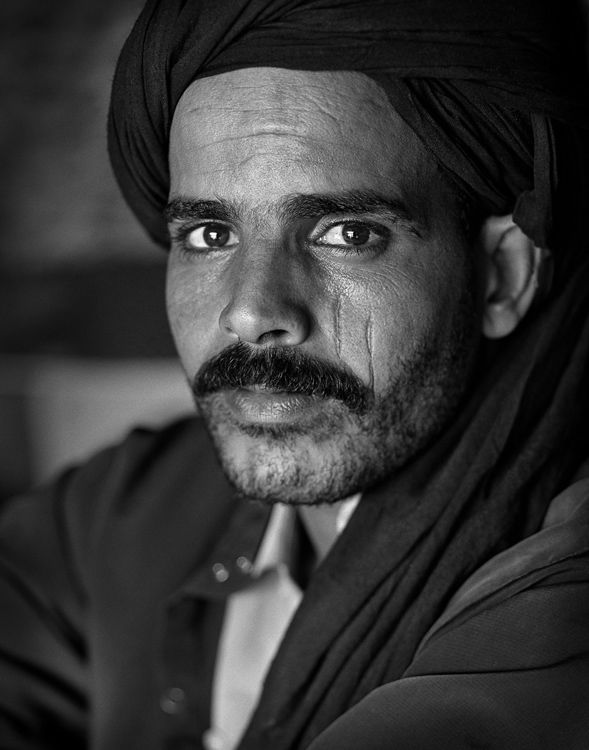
x=350, y=233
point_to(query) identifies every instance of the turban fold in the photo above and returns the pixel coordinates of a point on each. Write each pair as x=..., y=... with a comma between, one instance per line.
x=496, y=90
x=479, y=82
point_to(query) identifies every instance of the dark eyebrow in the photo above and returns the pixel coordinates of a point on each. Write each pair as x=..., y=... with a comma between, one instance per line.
x=180, y=208
x=295, y=207
x=356, y=202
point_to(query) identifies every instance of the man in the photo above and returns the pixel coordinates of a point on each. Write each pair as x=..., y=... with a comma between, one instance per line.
x=378, y=534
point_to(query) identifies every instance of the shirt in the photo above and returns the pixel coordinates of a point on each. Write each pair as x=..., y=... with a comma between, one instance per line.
x=255, y=621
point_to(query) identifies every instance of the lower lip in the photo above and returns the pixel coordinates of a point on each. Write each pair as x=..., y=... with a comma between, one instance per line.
x=268, y=407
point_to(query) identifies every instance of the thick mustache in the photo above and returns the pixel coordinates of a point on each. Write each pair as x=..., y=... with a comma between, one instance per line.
x=280, y=369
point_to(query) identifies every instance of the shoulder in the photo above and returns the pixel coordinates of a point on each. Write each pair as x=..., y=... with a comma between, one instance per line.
x=144, y=459
x=128, y=494
x=555, y=558
x=506, y=664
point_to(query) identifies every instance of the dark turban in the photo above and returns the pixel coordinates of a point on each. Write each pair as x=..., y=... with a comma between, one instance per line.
x=480, y=83
x=496, y=90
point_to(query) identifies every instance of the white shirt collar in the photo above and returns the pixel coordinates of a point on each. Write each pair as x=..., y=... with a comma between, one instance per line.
x=276, y=546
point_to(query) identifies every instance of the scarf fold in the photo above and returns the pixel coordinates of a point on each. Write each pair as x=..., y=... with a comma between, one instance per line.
x=497, y=92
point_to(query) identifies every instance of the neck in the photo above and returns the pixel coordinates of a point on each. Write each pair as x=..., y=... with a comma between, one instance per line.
x=325, y=522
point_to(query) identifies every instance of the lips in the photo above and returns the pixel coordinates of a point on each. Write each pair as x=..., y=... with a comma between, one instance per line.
x=258, y=405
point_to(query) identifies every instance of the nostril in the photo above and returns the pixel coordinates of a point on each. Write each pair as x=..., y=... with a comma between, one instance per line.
x=227, y=328
x=265, y=322
x=271, y=337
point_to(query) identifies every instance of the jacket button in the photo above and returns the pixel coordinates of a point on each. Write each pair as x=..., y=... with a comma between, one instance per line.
x=220, y=572
x=173, y=700
x=244, y=564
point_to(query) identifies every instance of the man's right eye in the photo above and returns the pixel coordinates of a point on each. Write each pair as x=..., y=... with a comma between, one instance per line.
x=210, y=235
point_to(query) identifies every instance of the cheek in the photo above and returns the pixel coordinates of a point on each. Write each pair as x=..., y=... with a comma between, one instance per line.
x=380, y=320
x=190, y=314
x=353, y=334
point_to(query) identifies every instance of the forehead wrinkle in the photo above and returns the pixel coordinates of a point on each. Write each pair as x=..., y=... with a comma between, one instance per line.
x=279, y=87
x=260, y=138
x=305, y=134
x=309, y=119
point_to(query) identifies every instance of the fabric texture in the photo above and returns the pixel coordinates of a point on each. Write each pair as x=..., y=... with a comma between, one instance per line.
x=497, y=92
x=456, y=692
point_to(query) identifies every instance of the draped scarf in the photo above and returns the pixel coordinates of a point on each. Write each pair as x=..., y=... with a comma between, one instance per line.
x=497, y=93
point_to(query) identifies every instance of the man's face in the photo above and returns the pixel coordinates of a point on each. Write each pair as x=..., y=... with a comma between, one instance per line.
x=318, y=285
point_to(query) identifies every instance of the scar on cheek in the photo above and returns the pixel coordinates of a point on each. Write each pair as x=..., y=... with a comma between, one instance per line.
x=369, y=338
x=337, y=326
x=358, y=335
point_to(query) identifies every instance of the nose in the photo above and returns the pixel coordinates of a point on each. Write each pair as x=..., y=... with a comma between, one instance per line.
x=264, y=307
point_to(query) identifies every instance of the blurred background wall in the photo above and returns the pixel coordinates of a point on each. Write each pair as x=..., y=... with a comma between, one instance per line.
x=85, y=350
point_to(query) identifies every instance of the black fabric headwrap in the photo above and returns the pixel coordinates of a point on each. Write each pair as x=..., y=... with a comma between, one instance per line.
x=465, y=75
x=496, y=91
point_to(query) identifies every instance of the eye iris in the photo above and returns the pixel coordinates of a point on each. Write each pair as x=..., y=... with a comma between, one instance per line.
x=356, y=234
x=216, y=235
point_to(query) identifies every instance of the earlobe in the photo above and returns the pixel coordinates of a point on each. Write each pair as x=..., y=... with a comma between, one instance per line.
x=511, y=269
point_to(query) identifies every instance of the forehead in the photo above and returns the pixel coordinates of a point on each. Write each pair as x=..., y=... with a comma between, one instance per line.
x=275, y=99
x=271, y=131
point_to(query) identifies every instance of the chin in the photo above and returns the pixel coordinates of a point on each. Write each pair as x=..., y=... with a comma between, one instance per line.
x=279, y=465
x=331, y=453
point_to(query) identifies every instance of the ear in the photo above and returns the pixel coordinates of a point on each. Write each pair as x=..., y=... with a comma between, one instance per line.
x=511, y=265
